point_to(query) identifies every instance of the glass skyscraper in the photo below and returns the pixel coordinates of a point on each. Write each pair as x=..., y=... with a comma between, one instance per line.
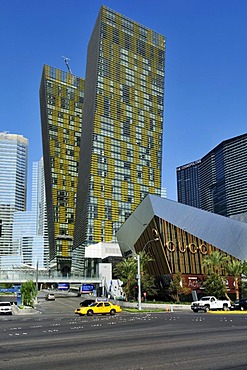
x=13, y=186
x=61, y=101
x=221, y=179
x=29, y=237
x=121, y=144
x=187, y=184
x=39, y=207
x=29, y=246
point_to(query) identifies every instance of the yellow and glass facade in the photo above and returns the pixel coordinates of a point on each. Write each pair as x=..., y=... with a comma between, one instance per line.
x=121, y=146
x=61, y=101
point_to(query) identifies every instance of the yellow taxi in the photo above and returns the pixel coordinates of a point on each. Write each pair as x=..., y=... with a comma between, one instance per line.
x=102, y=308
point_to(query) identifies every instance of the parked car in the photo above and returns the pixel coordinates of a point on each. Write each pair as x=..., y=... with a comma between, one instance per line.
x=102, y=308
x=240, y=304
x=5, y=308
x=50, y=297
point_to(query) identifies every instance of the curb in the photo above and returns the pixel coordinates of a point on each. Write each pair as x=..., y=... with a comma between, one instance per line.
x=24, y=311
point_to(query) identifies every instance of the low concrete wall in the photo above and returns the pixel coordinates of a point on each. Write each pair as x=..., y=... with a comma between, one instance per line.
x=160, y=306
x=23, y=311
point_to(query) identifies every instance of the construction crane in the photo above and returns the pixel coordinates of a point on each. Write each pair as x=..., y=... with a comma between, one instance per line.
x=66, y=61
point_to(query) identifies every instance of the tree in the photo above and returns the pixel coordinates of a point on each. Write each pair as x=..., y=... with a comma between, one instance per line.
x=147, y=281
x=148, y=285
x=215, y=285
x=28, y=293
x=235, y=268
x=177, y=287
x=126, y=270
x=145, y=258
x=244, y=267
x=215, y=262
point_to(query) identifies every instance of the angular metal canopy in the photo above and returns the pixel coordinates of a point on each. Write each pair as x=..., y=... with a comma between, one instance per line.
x=222, y=232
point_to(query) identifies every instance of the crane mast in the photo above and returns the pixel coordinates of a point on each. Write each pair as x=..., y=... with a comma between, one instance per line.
x=66, y=61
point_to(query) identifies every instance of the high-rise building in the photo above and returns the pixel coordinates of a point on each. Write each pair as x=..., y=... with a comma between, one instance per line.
x=13, y=185
x=163, y=193
x=39, y=207
x=121, y=143
x=221, y=179
x=29, y=245
x=187, y=184
x=30, y=239
x=61, y=100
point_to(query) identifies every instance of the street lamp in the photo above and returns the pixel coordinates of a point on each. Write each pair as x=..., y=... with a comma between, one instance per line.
x=139, y=273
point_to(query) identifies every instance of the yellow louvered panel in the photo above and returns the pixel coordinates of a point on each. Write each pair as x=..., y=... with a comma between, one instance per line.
x=145, y=175
x=57, y=228
x=62, y=214
x=107, y=182
x=97, y=186
x=71, y=229
x=111, y=172
x=108, y=231
x=94, y=163
x=107, y=142
x=101, y=208
x=115, y=206
x=65, y=251
x=124, y=191
x=97, y=230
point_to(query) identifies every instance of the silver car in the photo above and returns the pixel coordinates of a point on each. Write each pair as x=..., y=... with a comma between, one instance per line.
x=50, y=297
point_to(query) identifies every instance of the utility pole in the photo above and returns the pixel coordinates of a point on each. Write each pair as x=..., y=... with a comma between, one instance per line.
x=139, y=282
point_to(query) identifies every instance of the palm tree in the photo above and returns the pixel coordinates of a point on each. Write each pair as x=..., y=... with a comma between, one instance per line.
x=215, y=262
x=126, y=270
x=147, y=281
x=145, y=258
x=245, y=268
x=235, y=268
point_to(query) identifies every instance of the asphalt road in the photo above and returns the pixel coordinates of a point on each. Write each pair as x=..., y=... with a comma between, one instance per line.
x=56, y=338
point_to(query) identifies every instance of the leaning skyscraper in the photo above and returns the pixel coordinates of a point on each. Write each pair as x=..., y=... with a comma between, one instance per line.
x=61, y=102
x=121, y=142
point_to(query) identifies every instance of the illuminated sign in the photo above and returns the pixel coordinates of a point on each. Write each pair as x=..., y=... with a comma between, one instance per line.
x=87, y=288
x=62, y=286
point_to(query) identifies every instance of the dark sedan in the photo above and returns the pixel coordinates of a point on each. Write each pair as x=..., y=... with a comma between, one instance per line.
x=87, y=302
x=240, y=304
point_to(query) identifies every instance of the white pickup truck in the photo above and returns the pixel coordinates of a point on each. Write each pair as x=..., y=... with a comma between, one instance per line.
x=210, y=303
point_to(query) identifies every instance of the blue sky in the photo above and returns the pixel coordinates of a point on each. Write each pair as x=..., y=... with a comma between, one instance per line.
x=205, y=73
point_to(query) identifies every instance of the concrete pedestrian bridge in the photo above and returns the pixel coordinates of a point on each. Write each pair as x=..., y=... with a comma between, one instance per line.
x=19, y=276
